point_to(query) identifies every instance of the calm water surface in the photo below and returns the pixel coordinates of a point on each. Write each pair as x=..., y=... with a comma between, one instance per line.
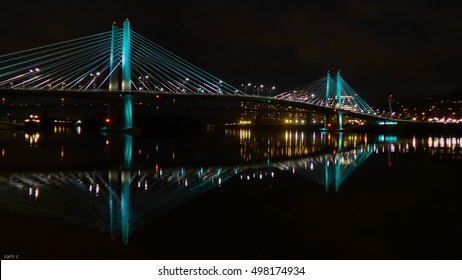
x=71, y=193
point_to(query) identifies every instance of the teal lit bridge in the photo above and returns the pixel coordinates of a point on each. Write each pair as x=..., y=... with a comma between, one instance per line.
x=122, y=66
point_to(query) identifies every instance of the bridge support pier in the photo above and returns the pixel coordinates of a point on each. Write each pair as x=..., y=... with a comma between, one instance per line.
x=127, y=114
x=120, y=114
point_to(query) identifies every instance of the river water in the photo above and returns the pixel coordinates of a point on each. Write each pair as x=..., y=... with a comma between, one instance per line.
x=216, y=193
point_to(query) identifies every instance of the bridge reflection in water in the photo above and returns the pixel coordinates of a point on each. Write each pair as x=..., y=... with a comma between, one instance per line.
x=121, y=198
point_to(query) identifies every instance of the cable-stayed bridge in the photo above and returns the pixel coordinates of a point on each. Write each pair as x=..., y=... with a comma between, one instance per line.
x=96, y=62
x=121, y=65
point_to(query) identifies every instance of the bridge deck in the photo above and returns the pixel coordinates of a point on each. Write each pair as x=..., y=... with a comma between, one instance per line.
x=144, y=95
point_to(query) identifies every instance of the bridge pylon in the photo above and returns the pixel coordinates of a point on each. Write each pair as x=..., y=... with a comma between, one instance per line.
x=334, y=101
x=339, y=101
x=327, y=97
x=126, y=73
x=120, y=113
x=113, y=69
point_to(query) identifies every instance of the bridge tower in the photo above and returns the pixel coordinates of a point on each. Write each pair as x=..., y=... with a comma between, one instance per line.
x=126, y=78
x=339, y=100
x=327, y=87
x=126, y=74
x=120, y=115
x=113, y=73
x=327, y=97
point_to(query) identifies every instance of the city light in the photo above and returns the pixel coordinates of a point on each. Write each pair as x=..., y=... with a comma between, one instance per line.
x=245, y=122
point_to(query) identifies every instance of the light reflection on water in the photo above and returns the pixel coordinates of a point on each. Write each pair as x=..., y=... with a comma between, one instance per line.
x=130, y=189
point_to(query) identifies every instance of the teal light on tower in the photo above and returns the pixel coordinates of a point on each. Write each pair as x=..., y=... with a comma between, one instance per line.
x=327, y=96
x=126, y=121
x=339, y=90
x=126, y=75
x=339, y=100
x=327, y=87
x=113, y=69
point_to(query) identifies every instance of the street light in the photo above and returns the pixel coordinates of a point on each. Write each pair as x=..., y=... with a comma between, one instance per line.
x=272, y=90
x=94, y=79
x=34, y=71
x=258, y=89
x=219, y=85
x=143, y=81
x=185, y=84
x=245, y=86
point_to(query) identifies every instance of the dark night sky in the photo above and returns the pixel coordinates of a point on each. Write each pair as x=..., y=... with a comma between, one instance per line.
x=409, y=48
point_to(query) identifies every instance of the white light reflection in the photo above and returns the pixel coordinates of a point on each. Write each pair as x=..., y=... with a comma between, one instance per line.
x=32, y=138
x=442, y=142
